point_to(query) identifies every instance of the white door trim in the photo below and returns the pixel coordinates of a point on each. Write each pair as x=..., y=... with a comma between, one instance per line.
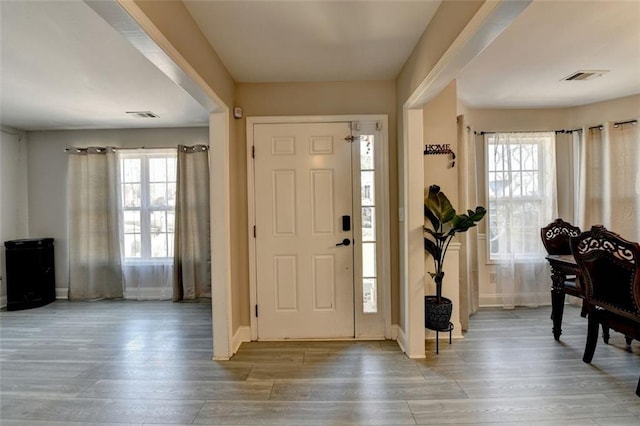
x=384, y=217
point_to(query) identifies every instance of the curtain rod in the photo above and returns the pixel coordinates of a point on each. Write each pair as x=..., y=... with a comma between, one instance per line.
x=527, y=131
x=568, y=131
x=615, y=124
x=100, y=148
x=622, y=123
x=96, y=148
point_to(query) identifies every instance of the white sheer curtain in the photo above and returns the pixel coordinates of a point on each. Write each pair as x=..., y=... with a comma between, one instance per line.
x=610, y=179
x=468, y=193
x=92, y=211
x=149, y=176
x=150, y=281
x=521, y=190
x=192, y=253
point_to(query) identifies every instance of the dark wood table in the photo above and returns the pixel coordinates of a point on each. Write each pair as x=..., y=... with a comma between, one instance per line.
x=562, y=265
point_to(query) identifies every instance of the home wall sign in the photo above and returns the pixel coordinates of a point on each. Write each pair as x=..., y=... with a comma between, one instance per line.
x=441, y=149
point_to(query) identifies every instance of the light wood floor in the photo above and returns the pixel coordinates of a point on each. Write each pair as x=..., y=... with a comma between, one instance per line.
x=150, y=363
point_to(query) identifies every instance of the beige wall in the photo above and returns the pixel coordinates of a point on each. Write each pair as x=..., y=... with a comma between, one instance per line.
x=496, y=120
x=447, y=24
x=176, y=24
x=389, y=97
x=335, y=98
x=173, y=22
x=513, y=120
x=440, y=127
x=621, y=109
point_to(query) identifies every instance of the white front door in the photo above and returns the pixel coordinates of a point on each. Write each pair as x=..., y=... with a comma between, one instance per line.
x=304, y=238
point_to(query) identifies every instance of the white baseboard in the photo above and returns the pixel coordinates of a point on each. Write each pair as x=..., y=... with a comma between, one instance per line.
x=394, y=332
x=496, y=300
x=401, y=338
x=490, y=300
x=242, y=334
x=151, y=293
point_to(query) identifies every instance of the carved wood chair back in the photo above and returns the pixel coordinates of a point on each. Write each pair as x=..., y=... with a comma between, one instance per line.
x=555, y=236
x=609, y=266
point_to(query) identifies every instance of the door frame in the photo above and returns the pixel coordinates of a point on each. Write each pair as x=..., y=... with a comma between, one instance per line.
x=382, y=164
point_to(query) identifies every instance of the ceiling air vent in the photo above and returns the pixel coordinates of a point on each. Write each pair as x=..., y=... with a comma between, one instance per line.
x=142, y=114
x=585, y=75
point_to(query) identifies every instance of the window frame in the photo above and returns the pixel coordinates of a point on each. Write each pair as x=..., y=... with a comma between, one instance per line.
x=494, y=258
x=146, y=207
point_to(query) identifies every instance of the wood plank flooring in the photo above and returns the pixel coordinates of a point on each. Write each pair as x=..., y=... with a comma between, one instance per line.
x=135, y=363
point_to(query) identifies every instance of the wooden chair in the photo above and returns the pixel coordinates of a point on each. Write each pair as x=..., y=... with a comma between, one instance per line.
x=611, y=278
x=555, y=238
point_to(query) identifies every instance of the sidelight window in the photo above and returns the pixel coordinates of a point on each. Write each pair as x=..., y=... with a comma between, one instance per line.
x=368, y=220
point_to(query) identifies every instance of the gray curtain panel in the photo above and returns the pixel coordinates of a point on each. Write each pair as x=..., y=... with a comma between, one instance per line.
x=95, y=268
x=192, y=252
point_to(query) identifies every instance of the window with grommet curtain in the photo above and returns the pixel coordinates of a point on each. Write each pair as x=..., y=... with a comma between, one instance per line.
x=521, y=193
x=147, y=184
x=139, y=223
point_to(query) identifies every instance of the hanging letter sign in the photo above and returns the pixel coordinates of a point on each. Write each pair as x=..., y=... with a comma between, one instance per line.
x=439, y=149
x=436, y=149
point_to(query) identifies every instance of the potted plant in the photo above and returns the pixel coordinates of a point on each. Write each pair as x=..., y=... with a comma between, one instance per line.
x=444, y=223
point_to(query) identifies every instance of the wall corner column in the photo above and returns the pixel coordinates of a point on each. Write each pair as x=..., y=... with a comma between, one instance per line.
x=414, y=252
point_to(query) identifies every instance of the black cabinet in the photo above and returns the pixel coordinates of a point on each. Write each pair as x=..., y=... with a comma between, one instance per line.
x=31, y=278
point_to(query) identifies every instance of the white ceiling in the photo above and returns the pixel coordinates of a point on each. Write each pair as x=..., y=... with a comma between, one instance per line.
x=280, y=41
x=550, y=40
x=63, y=66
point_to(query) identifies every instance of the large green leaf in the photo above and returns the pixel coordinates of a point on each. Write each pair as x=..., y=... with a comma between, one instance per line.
x=462, y=222
x=436, y=235
x=439, y=211
x=435, y=223
x=439, y=205
x=432, y=248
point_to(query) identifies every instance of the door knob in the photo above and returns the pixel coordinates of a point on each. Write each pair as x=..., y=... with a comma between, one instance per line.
x=344, y=242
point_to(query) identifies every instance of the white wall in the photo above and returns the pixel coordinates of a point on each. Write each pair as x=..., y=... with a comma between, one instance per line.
x=13, y=195
x=47, y=176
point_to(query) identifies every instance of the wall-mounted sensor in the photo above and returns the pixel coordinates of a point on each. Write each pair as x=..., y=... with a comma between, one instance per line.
x=237, y=112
